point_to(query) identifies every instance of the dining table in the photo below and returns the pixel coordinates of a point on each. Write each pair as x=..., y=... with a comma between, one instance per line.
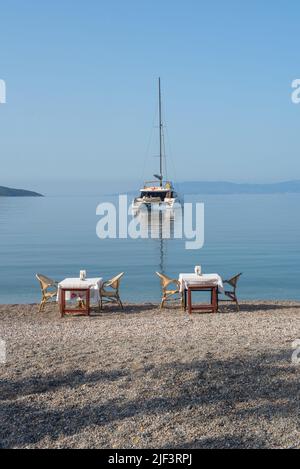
x=192, y=282
x=75, y=295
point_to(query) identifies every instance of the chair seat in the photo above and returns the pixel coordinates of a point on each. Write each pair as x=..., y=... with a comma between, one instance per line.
x=171, y=292
x=49, y=295
x=229, y=293
x=108, y=293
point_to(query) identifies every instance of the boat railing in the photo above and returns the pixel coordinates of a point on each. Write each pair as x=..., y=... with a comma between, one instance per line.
x=167, y=185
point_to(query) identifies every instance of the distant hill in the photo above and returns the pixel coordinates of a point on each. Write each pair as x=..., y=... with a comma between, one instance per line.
x=227, y=188
x=231, y=188
x=9, y=192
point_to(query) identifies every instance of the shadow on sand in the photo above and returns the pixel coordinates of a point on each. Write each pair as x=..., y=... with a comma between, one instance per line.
x=244, y=396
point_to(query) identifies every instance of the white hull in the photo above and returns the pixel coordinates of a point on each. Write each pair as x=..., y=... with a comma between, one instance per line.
x=140, y=204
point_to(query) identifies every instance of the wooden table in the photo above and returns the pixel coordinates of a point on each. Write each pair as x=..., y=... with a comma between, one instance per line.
x=85, y=309
x=190, y=283
x=83, y=291
x=211, y=307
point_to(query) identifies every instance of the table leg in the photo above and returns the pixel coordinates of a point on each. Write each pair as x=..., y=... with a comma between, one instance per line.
x=214, y=300
x=88, y=302
x=62, y=303
x=190, y=300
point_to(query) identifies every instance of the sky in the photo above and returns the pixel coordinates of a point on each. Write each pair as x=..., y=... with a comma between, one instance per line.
x=81, y=81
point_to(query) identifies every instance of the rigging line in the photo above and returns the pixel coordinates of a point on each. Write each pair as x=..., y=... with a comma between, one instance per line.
x=164, y=141
x=168, y=141
x=164, y=155
x=146, y=157
x=163, y=144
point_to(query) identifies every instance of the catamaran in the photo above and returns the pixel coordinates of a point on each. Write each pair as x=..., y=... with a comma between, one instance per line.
x=158, y=194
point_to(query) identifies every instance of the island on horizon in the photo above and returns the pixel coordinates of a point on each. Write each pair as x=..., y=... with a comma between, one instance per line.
x=9, y=192
x=233, y=188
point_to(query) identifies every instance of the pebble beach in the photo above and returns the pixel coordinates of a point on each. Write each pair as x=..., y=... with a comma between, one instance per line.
x=146, y=378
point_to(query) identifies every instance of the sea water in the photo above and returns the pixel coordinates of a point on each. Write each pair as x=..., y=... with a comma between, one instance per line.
x=258, y=235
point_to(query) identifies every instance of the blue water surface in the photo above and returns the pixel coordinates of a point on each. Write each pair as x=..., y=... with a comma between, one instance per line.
x=254, y=234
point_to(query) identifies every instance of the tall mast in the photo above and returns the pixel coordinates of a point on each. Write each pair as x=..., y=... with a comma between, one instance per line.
x=160, y=137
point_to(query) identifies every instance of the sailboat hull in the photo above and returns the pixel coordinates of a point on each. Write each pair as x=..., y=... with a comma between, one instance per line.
x=167, y=204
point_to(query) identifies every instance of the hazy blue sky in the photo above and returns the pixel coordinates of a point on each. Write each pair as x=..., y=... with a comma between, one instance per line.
x=81, y=89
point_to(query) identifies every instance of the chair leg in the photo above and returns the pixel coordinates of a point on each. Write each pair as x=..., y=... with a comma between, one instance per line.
x=237, y=305
x=166, y=298
x=120, y=302
x=41, y=306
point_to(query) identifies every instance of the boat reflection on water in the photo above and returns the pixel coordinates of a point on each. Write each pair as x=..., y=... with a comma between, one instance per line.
x=161, y=226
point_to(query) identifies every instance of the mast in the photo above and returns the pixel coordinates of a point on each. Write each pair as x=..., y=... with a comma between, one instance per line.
x=160, y=137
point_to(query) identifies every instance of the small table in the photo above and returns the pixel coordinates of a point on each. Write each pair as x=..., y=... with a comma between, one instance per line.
x=81, y=290
x=206, y=282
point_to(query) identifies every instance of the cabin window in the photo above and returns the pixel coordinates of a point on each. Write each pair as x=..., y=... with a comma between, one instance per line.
x=157, y=195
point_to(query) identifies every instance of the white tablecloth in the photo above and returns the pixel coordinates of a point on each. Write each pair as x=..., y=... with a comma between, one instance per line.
x=93, y=284
x=186, y=280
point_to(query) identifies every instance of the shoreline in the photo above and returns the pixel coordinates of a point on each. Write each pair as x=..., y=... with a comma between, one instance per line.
x=128, y=303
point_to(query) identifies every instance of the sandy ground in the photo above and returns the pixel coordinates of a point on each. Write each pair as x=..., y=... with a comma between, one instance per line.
x=150, y=379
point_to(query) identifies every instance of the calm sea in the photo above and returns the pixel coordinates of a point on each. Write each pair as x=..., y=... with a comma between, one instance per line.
x=257, y=235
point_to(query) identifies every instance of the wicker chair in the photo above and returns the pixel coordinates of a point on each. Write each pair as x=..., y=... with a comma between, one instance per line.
x=169, y=294
x=109, y=291
x=48, y=289
x=231, y=294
